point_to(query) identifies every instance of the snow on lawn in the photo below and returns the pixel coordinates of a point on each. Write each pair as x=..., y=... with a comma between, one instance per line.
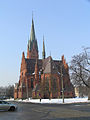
x=55, y=101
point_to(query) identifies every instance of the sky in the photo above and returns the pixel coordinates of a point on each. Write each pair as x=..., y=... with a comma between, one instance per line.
x=65, y=25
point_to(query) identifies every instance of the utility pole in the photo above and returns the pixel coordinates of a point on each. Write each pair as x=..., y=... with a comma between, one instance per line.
x=27, y=88
x=62, y=84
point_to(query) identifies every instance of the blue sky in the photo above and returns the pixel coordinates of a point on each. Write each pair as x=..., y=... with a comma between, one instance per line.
x=65, y=25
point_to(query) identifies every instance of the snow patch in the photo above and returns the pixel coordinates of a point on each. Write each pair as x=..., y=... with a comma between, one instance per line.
x=55, y=101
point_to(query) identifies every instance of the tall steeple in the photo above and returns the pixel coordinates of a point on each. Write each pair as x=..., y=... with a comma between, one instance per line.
x=43, y=52
x=32, y=44
x=32, y=38
x=32, y=35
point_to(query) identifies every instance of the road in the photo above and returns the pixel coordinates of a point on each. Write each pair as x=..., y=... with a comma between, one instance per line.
x=28, y=111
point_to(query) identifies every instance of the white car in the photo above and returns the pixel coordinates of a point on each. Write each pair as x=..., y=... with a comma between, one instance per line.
x=7, y=106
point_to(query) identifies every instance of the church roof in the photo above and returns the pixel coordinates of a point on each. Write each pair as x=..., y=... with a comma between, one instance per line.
x=31, y=65
x=48, y=65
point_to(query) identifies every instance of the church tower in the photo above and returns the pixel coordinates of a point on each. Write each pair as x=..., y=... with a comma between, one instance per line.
x=32, y=50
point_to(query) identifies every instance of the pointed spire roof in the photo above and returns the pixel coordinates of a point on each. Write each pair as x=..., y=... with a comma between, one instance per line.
x=32, y=35
x=23, y=55
x=43, y=52
x=33, y=41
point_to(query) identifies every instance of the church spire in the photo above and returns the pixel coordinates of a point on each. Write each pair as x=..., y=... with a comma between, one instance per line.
x=33, y=40
x=43, y=52
x=32, y=35
x=32, y=44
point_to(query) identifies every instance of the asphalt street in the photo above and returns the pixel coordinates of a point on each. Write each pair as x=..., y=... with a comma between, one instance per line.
x=29, y=111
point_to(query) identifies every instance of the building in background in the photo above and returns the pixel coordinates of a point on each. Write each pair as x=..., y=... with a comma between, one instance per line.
x=42, y=78
x=2, y=93
x=81, y=91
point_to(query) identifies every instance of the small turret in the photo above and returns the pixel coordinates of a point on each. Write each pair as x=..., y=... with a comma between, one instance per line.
x=64, y=62
x=43, y=52
x=23, y=63
x=23, y=56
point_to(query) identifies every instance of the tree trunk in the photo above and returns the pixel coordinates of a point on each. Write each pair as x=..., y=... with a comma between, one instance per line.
x=89, y=94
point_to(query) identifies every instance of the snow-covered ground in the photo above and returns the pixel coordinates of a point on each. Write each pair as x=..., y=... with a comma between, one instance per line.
x=55, y=101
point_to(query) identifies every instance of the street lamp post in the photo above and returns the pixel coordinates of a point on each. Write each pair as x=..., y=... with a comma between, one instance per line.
x=62, y=84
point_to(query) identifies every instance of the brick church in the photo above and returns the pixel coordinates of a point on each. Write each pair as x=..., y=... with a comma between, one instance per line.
x=42, y=78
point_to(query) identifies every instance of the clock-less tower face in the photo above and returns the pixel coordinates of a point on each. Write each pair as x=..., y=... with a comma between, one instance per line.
x=33, y=54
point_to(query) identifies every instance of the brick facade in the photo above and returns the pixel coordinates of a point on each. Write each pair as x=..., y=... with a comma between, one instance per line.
x=42, y=78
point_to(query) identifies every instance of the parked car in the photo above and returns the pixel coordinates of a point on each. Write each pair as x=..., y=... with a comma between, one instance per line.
x=7, y=106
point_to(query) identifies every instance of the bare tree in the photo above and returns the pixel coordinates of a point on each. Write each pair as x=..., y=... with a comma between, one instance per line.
x=44, y=88
x=7, y=92
x=54, y=87
x=10, y=91
x=80, y=69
